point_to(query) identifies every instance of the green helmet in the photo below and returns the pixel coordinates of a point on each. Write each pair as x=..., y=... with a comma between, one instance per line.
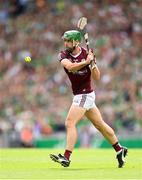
x=72, y=35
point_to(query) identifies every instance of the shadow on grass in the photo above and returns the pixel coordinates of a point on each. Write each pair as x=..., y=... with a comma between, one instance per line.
x=72, y=169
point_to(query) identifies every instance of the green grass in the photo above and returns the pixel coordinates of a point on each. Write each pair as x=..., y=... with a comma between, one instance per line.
x=87, y=164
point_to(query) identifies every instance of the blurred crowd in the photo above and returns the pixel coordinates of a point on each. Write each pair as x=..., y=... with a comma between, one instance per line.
x=35, y=97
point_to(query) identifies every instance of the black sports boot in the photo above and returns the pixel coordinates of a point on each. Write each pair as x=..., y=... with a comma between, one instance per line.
x=121, y=157
x=60, y=159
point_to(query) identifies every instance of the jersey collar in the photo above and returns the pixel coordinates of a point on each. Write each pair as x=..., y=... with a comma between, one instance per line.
x=75, y=56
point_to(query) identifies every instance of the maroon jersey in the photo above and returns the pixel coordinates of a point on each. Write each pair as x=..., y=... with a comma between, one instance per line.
x=81, y=79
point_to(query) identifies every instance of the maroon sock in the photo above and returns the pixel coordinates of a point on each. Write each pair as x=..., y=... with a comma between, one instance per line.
x=67, y=154
x=117, y=146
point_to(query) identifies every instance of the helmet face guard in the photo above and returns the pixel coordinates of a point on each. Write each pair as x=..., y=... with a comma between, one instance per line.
x=72, y=35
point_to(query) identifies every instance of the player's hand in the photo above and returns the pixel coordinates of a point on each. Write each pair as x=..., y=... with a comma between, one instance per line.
x=90, y=57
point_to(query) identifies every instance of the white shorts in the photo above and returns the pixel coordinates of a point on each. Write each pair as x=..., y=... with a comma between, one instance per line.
x=86, y=101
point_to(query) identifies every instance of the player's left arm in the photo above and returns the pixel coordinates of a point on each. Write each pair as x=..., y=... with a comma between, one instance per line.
x=95, y=72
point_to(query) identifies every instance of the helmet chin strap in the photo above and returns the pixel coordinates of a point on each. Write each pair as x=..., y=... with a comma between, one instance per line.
x=75, y=44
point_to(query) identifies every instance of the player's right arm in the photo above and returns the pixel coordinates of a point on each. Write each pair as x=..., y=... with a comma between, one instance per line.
x=72, y=67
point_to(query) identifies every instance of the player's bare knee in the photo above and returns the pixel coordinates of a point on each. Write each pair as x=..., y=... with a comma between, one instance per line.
x=69, y=123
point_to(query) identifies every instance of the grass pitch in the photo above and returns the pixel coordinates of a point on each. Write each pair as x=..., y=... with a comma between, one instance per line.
x=86, y=164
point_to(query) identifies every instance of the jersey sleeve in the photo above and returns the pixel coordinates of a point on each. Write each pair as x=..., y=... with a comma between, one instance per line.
x=62, y=55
